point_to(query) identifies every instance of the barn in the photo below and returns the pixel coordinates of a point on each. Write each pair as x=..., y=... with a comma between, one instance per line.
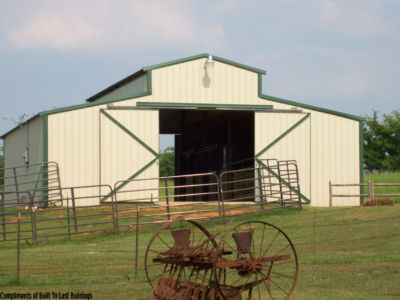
x=219, y=116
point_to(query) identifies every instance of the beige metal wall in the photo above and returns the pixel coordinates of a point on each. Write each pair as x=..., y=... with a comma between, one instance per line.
x=335, y=148
x=189, y=82
x=325, y=146
x=73, y=142
x=92, y=150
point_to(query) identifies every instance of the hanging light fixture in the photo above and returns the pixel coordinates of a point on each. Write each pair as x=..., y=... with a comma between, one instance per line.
x=209, y=62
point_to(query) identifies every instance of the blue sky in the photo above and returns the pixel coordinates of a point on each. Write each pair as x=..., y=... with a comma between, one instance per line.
x=341, y=55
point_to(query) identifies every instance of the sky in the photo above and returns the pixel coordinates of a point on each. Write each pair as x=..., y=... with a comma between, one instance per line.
x=340, y=55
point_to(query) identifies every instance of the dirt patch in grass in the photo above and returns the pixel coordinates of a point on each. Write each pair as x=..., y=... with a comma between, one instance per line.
x=212, y=214
x=15, y=219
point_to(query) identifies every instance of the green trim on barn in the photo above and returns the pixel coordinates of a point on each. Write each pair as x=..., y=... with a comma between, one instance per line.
x=90, y=104
x=202, y=105
x=282, y=135
x=149, y=83
x=361, y=161
x=204, y=55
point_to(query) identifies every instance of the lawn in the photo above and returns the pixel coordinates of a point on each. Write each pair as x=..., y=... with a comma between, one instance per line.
x=385, y=178
x=344, y=253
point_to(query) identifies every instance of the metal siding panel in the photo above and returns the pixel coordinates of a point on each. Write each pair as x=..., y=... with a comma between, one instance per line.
x=73, y=137
x=295, y=145
x=184, y=83
x=126, y=154
x=335, y=157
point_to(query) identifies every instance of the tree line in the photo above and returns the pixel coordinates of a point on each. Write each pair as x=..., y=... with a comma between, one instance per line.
x=381, y=137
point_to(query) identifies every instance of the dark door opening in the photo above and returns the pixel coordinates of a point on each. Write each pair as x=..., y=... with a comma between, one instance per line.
x=209, y=141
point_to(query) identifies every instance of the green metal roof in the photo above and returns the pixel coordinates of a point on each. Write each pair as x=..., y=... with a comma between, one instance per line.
x=205, y=55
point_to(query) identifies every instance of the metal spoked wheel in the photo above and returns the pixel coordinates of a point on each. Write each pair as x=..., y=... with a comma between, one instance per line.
x=262, y=262
x=168, y=255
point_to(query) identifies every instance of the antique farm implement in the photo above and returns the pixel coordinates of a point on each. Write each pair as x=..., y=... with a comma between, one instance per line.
x=254, y=260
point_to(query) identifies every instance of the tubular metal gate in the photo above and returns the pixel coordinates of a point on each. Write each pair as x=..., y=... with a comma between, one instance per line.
x=47, y=209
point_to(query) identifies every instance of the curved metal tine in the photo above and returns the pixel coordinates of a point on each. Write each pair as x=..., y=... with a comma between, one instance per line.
x=202, y=277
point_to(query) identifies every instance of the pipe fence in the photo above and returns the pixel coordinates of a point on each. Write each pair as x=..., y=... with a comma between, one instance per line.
x=80, y=210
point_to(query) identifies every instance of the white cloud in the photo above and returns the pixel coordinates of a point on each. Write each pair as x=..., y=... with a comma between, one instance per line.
x=165, y=20
x=54, y=32
x=103, y=25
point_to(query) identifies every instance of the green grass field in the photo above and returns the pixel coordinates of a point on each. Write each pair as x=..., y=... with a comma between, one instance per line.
x=354, y=254
x=385, y=178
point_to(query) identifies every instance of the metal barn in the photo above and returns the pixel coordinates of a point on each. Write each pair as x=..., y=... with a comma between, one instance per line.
x=221, y=121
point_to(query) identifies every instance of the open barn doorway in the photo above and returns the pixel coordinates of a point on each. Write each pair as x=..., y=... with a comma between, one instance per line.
x=209, y=140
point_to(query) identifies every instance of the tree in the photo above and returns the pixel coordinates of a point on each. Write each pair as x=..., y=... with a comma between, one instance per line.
x=382, y=142
x=167, y=162
x=391, y=123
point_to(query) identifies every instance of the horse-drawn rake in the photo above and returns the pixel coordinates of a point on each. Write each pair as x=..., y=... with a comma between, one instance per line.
x=254, y=260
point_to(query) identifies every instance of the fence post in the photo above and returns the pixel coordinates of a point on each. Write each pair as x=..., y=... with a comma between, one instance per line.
x=74, y=209
x=167, y=198
x=3, y=215
x=221, y=210
x=115, y=211
x=371, y=190
x=330, y=193
x=18, y=245
x=260, y=188
x=33, y=219
x=69, y=225
x=16, y=186
x=137, y=241
x=221, y=193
